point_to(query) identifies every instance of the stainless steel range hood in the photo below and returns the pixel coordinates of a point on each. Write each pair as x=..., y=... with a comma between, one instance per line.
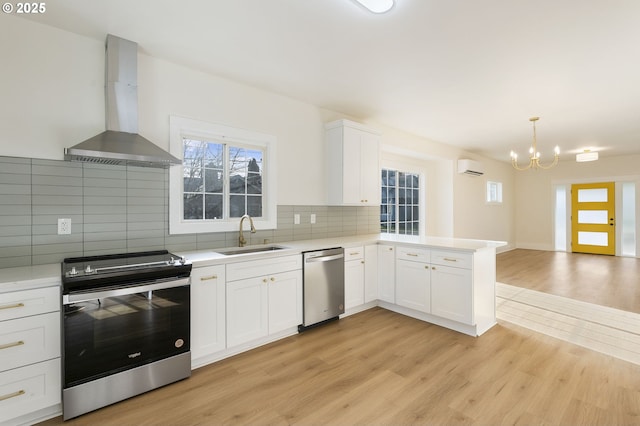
x=121, y=143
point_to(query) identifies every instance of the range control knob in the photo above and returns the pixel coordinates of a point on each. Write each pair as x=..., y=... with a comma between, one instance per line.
x=88, y=269
x=183, y=260
x=73, y=271
x=171, y=261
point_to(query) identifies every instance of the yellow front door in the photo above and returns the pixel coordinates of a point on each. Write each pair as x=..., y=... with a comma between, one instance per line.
x=593, y=218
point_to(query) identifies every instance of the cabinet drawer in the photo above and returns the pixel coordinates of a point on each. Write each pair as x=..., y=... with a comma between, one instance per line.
x=257, y=268
x=452, y=258
x=353, y=253
x=29, y=340
x=24, y=303
x=413, y=254
x=28, y=389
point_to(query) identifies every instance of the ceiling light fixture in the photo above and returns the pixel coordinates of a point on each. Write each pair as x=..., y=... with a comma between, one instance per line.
x=587, y=155
x=534, y=154
x=377, y=6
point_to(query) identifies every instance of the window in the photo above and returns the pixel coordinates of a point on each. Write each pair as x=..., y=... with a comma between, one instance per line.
x=224, y=175
x=400, y=203
x=494, y=192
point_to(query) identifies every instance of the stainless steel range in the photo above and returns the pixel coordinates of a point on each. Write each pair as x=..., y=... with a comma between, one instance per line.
x=126, y=327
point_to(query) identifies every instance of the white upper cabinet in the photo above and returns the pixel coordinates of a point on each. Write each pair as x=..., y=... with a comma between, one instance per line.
x=353, y=159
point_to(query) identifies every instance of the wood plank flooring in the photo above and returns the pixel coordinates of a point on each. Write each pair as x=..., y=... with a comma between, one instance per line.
x=604, y=280
x=600, y=328
x=379, y=367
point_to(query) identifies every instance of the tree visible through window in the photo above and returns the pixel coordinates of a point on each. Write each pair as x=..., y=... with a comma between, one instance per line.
x=400, y=203
x=215, y=188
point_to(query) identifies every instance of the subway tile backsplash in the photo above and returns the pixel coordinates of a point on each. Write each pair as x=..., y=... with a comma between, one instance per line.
x=116, y=209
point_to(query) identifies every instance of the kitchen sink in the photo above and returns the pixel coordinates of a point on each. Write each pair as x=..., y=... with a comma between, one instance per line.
x=248, y=250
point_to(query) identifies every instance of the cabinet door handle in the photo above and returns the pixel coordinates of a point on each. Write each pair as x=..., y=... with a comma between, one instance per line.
x=12, y=345
x=264, y=280
x=212, y=277
x=362, y=261
x=433, y=267
x=15, y=305
x=12, y=395
x=448, y=259
x=272, y=278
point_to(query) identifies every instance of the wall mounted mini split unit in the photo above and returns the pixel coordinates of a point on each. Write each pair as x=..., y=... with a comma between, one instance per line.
x=470, y=167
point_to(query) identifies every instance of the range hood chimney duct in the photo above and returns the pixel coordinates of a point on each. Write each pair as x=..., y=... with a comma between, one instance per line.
x=121, y=144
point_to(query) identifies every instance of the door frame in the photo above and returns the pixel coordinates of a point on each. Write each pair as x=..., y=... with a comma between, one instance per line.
x=618, y=181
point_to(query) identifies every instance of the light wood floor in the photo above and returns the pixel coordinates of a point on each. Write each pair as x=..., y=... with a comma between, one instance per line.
x=379, y=367
x=604, y=280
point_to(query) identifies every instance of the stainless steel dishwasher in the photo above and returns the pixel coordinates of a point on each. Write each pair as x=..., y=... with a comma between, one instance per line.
x=323, y=282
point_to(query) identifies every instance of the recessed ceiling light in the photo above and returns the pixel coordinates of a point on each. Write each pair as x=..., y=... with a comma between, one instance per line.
x=377, y=6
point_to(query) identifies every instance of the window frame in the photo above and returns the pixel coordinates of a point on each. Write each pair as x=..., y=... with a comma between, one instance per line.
x=489, y=200
x=408, y=169
x=179, y=128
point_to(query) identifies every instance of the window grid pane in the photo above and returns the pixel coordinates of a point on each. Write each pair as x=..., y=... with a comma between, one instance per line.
x=401, y=214
x=205, y=173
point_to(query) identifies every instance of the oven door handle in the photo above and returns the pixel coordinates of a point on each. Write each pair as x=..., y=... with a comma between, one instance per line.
x=68, y=299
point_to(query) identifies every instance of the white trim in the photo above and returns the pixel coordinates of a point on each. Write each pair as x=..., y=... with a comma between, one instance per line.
x=179, y=127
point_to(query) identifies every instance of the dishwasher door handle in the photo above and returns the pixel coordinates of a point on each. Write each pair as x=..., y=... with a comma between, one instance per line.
x=324, y=258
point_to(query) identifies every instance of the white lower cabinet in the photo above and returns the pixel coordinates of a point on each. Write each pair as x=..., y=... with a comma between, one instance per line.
x=265, y=304
x=284, y=296
x=452, y=293
x=413, y=285
x=353, y=277
x=208, y=306
x=247, y=310
x=386, y=266
x=454, y=288
x=29, y=353
x=28, y=389
x=370, y=273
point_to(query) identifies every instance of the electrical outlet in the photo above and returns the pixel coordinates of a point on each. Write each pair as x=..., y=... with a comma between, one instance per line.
x=296, y=219
x=64, y=226
x=313, y=218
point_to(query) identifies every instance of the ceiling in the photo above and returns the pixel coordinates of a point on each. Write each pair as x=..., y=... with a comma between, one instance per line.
x=468, y=73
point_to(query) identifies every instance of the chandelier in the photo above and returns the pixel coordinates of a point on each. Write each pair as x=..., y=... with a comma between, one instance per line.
x=534, y=154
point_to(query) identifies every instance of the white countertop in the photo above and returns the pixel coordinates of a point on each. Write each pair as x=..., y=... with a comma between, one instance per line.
x=28, y=277
x=212, y=257
x=443, y=242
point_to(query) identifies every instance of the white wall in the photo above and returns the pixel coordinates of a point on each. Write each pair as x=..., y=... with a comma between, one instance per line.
x=458, y=199
x=534, y=193
x=52, y=89
x=474, y=218
x=52, y=86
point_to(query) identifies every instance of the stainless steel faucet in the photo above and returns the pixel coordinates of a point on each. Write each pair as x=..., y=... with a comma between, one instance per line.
x=241, y=240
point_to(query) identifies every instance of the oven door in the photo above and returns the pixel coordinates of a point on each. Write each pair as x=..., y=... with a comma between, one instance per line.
x=112, y=330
